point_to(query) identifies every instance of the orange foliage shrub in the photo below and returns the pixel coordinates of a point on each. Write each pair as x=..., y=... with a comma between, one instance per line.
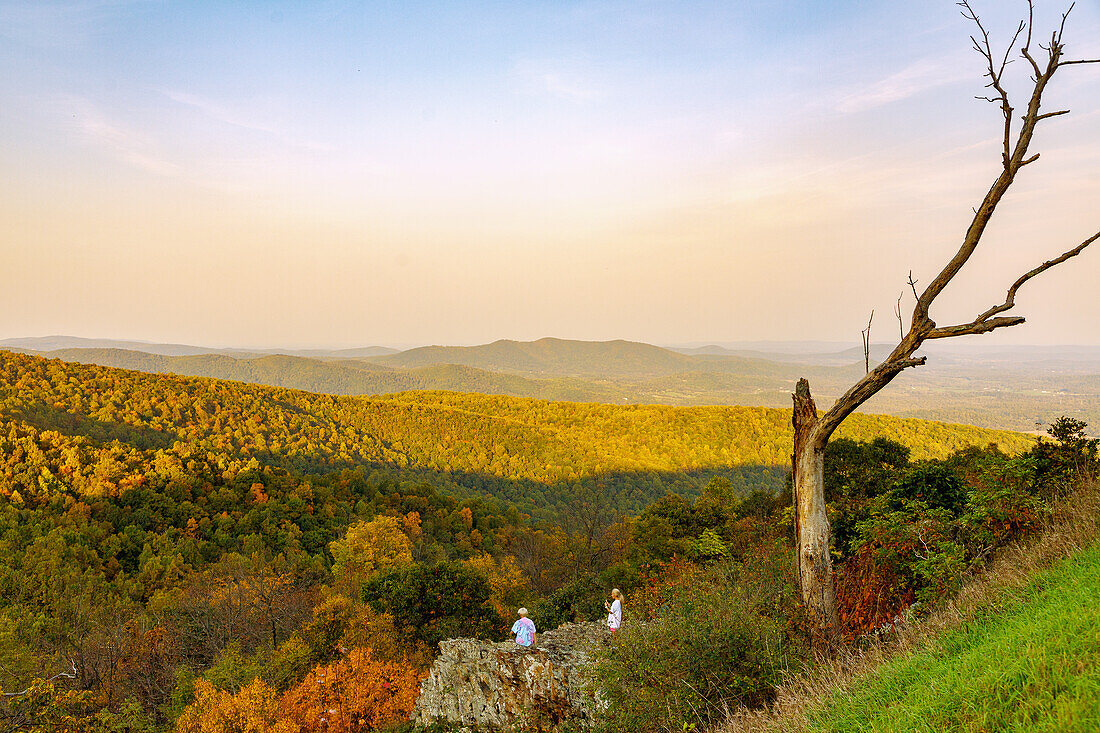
x=254, y=709
x=870, y=592
x=659, y=583
x=355, y=694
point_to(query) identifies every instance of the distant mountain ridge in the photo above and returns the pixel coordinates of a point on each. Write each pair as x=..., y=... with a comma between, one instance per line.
x=619, y=372
x=561, y=357
x=338, y=377
x=57, y=343
x=1003, y=387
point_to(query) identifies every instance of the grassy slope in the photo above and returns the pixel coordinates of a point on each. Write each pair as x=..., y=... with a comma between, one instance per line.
x=1018, y=649
x=1033, y=666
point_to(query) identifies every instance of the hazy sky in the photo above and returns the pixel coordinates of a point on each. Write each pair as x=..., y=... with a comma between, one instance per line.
x=351, y=173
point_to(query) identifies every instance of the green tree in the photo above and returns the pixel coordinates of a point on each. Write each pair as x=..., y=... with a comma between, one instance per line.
x=435, y=602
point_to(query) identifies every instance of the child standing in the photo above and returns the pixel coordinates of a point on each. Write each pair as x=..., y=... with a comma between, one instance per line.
x=614, y=610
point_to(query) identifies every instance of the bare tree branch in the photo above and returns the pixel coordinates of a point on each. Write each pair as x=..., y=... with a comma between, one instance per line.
x=974, y=327
x=71, y=674
x=1010, y=298
x=995, y=74
x=1012, y=161
x=1052, y=114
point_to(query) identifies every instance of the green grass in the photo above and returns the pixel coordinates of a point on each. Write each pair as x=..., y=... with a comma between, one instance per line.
x=1031, y=665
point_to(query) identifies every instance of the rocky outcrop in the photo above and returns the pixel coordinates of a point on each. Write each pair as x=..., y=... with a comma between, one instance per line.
x=486, y=685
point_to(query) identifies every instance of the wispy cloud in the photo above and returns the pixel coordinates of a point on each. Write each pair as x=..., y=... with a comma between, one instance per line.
x=224, y=114
x=128, y=145
x=914, y=79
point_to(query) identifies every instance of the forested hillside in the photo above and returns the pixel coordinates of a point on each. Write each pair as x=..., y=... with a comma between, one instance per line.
x=528, y=452
x=190, y=550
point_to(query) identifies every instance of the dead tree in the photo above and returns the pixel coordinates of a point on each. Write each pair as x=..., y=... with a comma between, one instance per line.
x=811, y=432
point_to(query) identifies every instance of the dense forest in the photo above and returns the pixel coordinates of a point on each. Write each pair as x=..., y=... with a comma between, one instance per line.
x=528, y=452
x=177, y=551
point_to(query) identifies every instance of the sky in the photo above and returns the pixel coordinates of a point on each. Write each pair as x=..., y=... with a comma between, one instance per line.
x=338, y=174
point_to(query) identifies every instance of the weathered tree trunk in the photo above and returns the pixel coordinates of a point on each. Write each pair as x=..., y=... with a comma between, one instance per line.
x=815, y=565
x=811, y=433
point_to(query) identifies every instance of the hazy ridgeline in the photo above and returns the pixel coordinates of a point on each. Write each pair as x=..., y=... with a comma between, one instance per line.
x=1011, y=388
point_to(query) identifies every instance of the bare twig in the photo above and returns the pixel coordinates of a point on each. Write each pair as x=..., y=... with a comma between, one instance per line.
x=897, y=312
x=867, y=343
x=1025, y=51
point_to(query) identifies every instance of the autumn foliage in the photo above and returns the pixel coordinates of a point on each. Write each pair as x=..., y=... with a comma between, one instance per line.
x=354, y=694
x=870, y=593
x=254, y=709
x=358, y=693
x=372, y=547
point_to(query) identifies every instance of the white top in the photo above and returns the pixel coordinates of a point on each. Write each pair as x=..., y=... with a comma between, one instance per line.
x=615, y=617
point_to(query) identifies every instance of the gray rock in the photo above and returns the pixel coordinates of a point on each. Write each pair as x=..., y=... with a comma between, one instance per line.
x=487, y=685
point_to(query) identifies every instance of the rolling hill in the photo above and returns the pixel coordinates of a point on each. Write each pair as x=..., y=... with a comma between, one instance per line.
x=57, y=343
x=343, y=376
x=550, y=356
x=529, y=452
x=1003, y=388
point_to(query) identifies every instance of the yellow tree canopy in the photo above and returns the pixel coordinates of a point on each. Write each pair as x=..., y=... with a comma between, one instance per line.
x=510, y=587
x=255, y=709
x=368, y=548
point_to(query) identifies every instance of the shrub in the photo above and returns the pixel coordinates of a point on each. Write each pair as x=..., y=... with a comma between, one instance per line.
x=719, y=637
x=931, y=483
x=997, y=513
x=581, y=600
x=900, y=557
x=1072, y=459
x=855, y=473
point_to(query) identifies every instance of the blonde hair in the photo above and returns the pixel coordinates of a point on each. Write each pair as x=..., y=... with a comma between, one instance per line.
x=522, y=612
x=616, y=593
